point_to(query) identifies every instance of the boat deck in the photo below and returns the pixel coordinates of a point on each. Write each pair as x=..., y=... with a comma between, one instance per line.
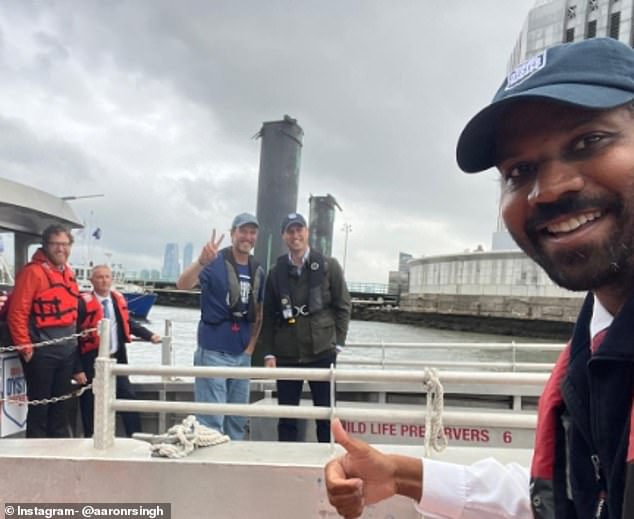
x=232, y=480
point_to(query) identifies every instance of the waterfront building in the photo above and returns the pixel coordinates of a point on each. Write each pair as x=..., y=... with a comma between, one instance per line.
x=495, y=273
x=500, y=284
x=398, y=280
x=150, y=275
x=171, y=267
x=551, y=22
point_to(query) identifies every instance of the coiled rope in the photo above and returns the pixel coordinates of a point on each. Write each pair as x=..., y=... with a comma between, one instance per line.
x=181, y=439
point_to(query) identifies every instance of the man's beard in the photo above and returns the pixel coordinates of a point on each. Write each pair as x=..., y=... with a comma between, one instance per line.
x=591, y=266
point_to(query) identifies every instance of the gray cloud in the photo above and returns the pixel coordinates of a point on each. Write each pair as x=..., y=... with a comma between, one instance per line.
x=154, y=103
x=45, y=162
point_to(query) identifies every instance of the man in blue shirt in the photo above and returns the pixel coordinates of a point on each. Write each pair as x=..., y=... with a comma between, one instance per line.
x=232, y=287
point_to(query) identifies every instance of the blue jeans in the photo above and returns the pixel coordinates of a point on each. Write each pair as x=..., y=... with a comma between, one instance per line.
x=222, y=391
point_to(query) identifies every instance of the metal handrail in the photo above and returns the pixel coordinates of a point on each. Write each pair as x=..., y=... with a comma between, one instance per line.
x=495, y=346
x=106, y=404
x=342, y=375
x=499, y=365
x=476, y=418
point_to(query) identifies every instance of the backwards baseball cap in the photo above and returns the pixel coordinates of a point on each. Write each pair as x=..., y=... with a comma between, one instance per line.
x=244, y=219
x=597, y=73
x=291, y=219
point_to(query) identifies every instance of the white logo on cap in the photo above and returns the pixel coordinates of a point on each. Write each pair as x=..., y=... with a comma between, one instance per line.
x=292, y=215
x=525, y=70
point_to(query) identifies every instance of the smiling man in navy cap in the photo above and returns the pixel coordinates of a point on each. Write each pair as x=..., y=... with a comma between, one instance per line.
x=306, y=314
x=560, y=130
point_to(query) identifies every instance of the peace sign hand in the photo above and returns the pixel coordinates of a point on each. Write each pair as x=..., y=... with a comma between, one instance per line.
x=210, y=250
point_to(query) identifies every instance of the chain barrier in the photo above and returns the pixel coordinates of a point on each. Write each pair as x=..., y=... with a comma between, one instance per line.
x=18, y=347
x=52, y=400
x=50, y=342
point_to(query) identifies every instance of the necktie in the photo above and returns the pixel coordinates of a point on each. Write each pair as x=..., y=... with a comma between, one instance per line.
x=598, y=339
x=106, y=308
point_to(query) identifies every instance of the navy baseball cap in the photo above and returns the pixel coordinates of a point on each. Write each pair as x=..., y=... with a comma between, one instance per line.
x=597, y=73
x=244, y=219
x=292, y=219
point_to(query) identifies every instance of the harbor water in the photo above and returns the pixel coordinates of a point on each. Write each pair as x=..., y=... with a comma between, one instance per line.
x=185, y=321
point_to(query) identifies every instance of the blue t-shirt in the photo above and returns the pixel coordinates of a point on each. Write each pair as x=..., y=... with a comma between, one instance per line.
x=222, y=333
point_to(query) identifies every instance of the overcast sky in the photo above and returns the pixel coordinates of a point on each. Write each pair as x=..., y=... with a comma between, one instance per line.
x=154, y=103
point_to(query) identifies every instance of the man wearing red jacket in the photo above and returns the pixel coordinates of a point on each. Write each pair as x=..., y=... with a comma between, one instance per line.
x=44, y=307
x=103, y=302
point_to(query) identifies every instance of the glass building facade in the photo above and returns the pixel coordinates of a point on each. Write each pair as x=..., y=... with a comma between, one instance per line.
x=551, y=22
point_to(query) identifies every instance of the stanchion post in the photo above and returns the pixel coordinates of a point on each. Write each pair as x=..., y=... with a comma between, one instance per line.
x=166, y=360
x=104, y=389
x=166, y=347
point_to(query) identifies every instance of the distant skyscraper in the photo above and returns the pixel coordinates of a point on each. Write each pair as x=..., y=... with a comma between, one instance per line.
x=188, y=254
x=403, y=258
x=171, y=267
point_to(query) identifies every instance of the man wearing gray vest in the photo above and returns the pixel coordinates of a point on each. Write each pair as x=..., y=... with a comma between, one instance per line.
x=231, y=291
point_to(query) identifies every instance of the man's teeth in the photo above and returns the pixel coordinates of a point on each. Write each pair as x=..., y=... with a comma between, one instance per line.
x=573, y=223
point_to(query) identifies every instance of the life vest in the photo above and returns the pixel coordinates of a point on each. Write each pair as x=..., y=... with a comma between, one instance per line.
x=234, y=301
x=223, y=301
x=94, y=314
x=317, y=270
x=56, y=305
x=548, y=476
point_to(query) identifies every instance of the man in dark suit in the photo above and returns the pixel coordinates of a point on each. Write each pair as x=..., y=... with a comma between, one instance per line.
x=104, y=302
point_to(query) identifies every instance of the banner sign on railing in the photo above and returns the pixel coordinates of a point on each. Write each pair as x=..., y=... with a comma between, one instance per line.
x=13, y=416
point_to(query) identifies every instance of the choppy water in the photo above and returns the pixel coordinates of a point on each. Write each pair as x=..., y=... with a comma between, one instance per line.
x=185, y=320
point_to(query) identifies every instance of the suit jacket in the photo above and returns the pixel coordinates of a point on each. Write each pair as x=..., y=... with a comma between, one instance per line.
x=88, y=359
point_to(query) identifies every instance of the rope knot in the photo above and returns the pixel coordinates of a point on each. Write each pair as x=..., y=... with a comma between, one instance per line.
x=181, y=439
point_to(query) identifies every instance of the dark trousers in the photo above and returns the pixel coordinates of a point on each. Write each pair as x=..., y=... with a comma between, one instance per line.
x=289, y=392
x=124, y=390
x=48, y=374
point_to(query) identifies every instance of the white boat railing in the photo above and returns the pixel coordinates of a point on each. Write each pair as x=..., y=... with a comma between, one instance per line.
x=106, y=404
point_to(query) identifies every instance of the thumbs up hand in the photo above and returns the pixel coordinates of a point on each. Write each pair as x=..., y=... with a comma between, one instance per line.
x=364, y=475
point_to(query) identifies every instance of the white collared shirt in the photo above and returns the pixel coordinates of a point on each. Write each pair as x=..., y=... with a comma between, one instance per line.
x=300, y=268
x=601, y=318
x=114, y=336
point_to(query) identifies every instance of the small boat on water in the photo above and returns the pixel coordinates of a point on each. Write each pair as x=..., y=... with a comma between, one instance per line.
x=139, y=302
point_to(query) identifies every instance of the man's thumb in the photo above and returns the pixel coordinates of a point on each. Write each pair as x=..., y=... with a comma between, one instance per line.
x=352, y=445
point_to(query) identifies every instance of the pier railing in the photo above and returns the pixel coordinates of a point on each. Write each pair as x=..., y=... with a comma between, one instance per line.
x=106, y=403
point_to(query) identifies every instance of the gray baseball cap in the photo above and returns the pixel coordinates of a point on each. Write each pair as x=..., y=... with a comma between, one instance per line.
x=244, y=219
